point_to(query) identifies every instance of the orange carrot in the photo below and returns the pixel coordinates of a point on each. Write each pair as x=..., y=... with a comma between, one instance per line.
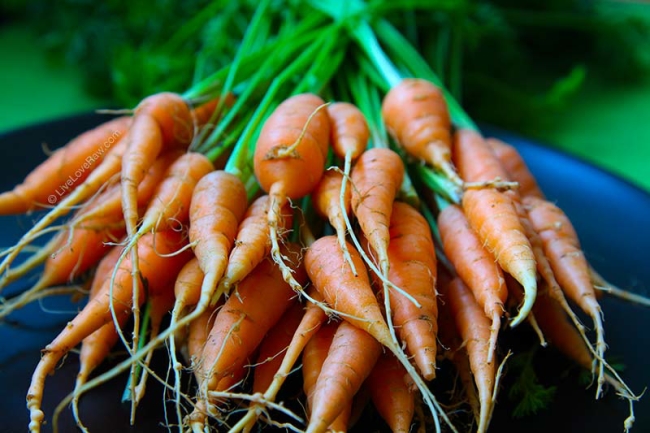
x=313, y=358
x=350, y=359
x=327, y=198
x=416, y=116
x=493, y=216
x=354, y=299
x=108, y=168
x=240, y=326
x=157, y=270
x=516, y=167
x=344, y=292
x=474, y=328
x=96, y=346
x=272, y=349
x=349, y=130
x=376, y=179
x=252, y=243
x=413, y=268
x=217, y=207
x=475, y=266
x=391, y=394
x=565, y=337
x=311, y=321
x=73, y=254
x=65, y=169
x=456, y=351
x=109, y=202
x=562, y=247
x=289, y=158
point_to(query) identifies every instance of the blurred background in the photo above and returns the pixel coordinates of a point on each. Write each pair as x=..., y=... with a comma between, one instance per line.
x=571, y=74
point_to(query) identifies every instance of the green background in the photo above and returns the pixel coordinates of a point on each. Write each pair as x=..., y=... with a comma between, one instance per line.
x=608, y=126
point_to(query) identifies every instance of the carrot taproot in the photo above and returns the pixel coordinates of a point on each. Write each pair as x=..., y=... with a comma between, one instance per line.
x=313, y=357
x=391, y=393
x=350, y=359
x=417, y=117
x=413, y=268
x=332, y=202
x=240, y=325
x=475, y=266
x=208, y=113
x=376, y=179
x=97, y=346
x=65, y=169
x=349, y=134
x=252, y=243
x=168, y=208
x=474, y=329
x=108, y=168
x=289, y=159
x=109, y=202
x=514, y=164
x=493, y=216
x=562, y=247
x=563, y=335
x=160, y=265
x=75, y=251
x=456, y=352
x=218, y=205
x=353, y=297
x=272, y=349
x=311, y=321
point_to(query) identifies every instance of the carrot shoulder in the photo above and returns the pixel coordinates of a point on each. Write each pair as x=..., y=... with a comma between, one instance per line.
x=417, y=117
x=289, y=159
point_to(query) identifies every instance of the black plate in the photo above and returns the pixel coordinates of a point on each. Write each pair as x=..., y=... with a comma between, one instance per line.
x=611, y=216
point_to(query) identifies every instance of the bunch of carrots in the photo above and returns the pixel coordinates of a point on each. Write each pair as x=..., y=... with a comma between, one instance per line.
x=354, y=234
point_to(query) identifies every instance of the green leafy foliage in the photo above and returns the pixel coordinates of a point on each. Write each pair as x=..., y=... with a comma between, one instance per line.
x=531, y=396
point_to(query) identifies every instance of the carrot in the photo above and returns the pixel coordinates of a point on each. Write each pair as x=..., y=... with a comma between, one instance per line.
x=311, y=321
x=331, y=202
x=168, y=208
x=376, y=179
x=391, y=394
x=456, y=350
x=349, y=130
x=562, y=247
x=493, y=215
x=217, y=207
x=252, y=243
x=109, y=202
x=416, y=116
x=350, y=359
x=516, y=167
x=240, y=326
x=563, y=335
x=108, y=168
x=75, y=251
x=96, y=346
x=272, y=349
x=313, y=358
x=474, y=328
x=289, y=159
x=65, y=169
x=157, y=270
x=354, y=299
x=475, y=266
x=413, y=268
